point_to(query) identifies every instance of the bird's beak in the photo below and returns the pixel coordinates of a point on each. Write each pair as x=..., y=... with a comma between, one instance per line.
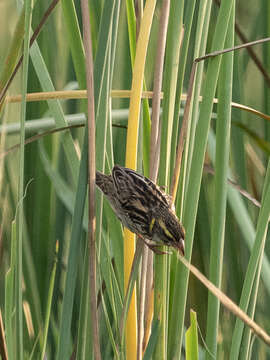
x=181, y=247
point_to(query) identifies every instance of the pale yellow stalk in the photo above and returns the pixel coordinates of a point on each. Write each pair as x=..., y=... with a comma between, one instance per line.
x=131, y=162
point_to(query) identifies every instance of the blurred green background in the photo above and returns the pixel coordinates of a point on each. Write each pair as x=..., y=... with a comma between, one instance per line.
x=50, y=188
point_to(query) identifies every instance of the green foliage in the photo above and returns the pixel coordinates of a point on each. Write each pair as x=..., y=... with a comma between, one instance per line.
x=44, y=302
x=192, y=348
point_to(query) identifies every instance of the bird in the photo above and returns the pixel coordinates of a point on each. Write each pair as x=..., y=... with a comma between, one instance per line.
x=143, y=208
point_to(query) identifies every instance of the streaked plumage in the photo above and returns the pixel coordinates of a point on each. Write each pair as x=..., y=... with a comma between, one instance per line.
x=142, y=207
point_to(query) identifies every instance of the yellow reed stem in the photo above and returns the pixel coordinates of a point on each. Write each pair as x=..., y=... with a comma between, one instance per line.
x=131, y=162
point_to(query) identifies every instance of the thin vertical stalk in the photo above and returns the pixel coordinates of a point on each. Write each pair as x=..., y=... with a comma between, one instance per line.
x=254, y=266
x=3, y=345
x=246, y=342
x=91, y=174
x=131, y=161
x=174, y=39
x=188, y=22
x=193, y=187
x=9, y=293
x=134, y=29
x=266, y=55
x=200, y=48
x=220, y=197
x=200, y=45
x=49, y=305
x=146, y=112
x=182, y=135
x=147, y=271
x=142, y=300
x=19, y=276
x=73, y=256
x=155, y=128
x=74, y=40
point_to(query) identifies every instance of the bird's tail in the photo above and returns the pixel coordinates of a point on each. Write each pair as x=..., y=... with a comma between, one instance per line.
x=104, y=182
